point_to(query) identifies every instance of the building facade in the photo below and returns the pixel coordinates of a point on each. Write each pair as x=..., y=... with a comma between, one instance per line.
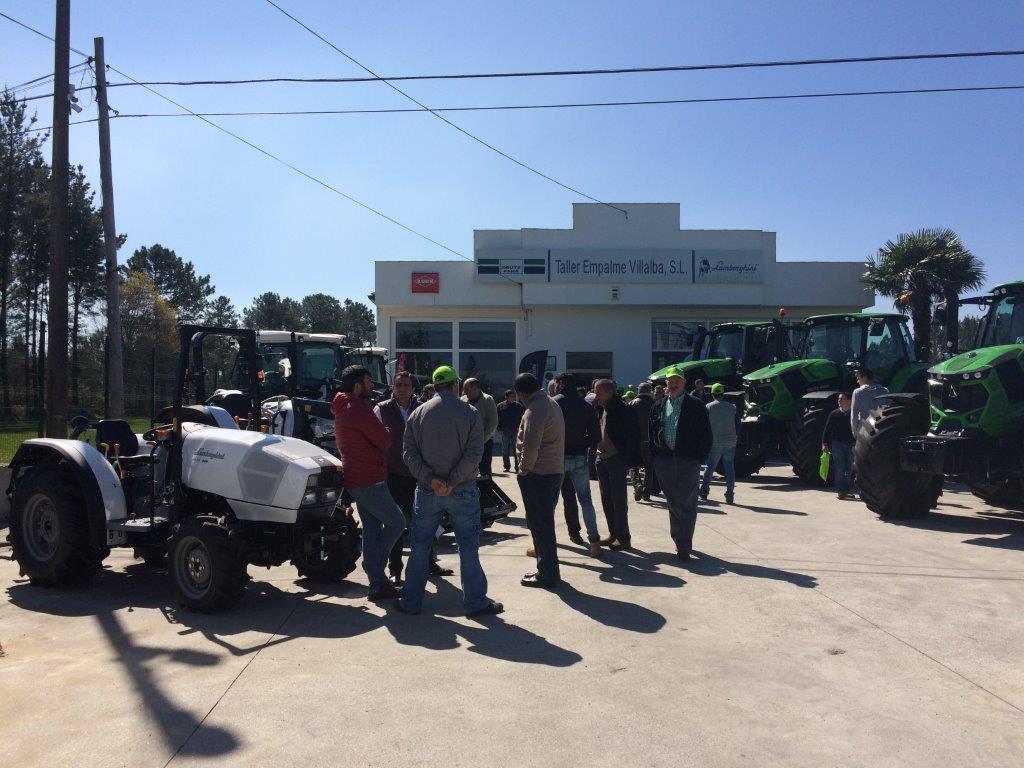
x=618, y=294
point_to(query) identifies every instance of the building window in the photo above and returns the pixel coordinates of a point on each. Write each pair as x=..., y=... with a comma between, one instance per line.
x=411, y=335
x=487, y=352
x=422, y=347
x=589, y=365
x=672, y=341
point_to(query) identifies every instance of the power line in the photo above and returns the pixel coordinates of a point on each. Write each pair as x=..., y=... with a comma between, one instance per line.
x=444, y=119
x=573, y=105
x=589, y=72
x=259, y=149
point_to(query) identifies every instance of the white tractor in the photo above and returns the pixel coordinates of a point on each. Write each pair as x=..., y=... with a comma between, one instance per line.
x=207, y=493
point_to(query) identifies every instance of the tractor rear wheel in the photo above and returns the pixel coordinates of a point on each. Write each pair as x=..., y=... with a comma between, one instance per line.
x=804, y=442
x=888, y=490
x=339, y=557
x=207, y=567
x=749, y=461
x=50, y=529
x=1004, y=492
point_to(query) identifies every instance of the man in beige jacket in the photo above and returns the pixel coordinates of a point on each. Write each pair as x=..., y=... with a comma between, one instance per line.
x=540, y=447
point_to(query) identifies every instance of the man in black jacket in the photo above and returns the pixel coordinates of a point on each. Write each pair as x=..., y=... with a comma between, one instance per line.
x=618, y=450
x=510, y=413
x=582, y=432
x=680, y=433
x=642, y=405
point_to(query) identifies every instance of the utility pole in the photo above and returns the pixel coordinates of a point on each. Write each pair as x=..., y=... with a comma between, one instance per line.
x=57, y=361
x=115, y=353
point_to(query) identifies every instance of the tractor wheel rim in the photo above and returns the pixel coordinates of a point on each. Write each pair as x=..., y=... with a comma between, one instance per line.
x=194, y=568
x=42, y=527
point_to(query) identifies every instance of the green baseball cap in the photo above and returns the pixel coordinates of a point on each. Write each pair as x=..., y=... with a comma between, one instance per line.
x=444, y=374
x=718, y=389
x=630, y=393
x=675, y=370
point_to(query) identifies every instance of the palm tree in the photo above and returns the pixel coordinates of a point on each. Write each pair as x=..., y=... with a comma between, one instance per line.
x=921, y=266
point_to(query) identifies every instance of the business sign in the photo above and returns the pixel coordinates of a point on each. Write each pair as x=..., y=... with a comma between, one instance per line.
x=426, y=282
x=703, y=266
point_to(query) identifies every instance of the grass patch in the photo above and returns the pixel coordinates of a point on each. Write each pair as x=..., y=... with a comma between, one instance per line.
x=13, y=435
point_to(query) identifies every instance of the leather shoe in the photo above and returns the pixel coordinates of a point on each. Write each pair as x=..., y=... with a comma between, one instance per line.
x=387, y=591
x=595, y=549
x=491, y=609
x=399, y=606
x=437, y=570
x=617, y=545
x=575, y=538
x=531, y=552
x=532, y=580
x=607, y=542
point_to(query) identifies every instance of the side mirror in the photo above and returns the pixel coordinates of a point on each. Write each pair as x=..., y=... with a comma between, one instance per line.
x=284, y=366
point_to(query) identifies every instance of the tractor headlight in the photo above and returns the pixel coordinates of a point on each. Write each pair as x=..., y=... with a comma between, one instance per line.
x=331, y=494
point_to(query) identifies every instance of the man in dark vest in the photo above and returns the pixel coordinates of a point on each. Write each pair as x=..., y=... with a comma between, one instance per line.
x=394, y=414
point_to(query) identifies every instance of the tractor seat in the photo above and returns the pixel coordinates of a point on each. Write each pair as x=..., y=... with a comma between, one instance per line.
x=111, y=431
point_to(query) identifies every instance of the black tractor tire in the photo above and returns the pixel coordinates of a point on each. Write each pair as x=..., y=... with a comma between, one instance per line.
x=152, y=556
x=341, y=556
x=50, y=529
x=803, y=444
x=887, y=489
x=207, y=567
x=1005, y=493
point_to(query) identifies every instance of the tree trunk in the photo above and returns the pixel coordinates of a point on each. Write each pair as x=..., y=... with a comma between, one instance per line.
x=921, y=317
x=75, y=314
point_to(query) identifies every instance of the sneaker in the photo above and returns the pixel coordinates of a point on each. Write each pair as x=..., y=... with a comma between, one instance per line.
x=531, y=580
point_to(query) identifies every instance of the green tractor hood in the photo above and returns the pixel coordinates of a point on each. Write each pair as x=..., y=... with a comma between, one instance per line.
x=777, y=369
x=712, y=371
x=977, y=360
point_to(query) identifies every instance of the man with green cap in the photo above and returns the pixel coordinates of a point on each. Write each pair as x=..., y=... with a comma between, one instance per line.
x=680, y=435
x=442, y=446
x=723, y=418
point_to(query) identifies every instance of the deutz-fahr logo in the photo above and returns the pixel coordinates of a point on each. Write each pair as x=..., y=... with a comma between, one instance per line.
x=204, y=456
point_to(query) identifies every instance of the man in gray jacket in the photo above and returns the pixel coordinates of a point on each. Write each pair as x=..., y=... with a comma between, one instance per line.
x=723, y=418
x=473, y=394
x=442, y=447
x=866, y=398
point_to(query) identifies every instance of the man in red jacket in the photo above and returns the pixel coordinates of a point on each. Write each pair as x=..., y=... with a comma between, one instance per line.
x=363, y=443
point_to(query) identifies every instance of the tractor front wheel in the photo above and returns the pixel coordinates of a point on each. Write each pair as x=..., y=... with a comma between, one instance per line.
x=207, y=567
x=804, y=442
x=337, y=557
x=50, y=529
x=888, y=490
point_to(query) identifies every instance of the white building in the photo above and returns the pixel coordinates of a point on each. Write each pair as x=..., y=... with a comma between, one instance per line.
x=614, y=295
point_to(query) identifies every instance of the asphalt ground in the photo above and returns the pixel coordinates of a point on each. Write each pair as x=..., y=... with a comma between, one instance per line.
x=806, y=633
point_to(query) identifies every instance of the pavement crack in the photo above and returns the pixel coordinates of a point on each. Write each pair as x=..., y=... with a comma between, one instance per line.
x=234, y=680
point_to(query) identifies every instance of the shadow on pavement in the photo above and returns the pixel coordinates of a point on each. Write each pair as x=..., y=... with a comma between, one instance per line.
x=611, y=613
x=708, y=565
x=627, y=570
x=494, y=637
x=1009, y=525
x=770, y=510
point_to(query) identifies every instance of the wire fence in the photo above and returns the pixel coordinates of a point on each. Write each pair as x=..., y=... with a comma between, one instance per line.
x=148, y=387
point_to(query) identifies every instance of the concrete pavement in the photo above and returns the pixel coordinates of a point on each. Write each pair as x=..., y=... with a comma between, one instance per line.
x=807, y=633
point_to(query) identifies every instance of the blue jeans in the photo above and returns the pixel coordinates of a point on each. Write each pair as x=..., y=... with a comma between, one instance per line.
x=383, y=524
x=578, y=472
x=728, y=459
x=842, y=461
x=508, y=449
x=463, y=507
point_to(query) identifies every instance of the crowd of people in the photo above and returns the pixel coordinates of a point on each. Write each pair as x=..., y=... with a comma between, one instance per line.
x=408, y=462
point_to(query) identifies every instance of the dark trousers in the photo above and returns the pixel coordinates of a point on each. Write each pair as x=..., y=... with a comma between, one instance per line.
x=611, y=478
x=651, y=484
x=508, y=449
x=485, y=461
x=592, y=462
x=540, y=494
x=680, y=481
x=569, y=506
x=403, y=491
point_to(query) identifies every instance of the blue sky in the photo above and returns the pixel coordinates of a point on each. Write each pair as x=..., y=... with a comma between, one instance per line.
x=834, y=178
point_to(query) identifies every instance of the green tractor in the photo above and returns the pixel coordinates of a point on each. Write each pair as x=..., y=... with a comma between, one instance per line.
x=788, y=402
x=723, y=354
x=969, y=427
